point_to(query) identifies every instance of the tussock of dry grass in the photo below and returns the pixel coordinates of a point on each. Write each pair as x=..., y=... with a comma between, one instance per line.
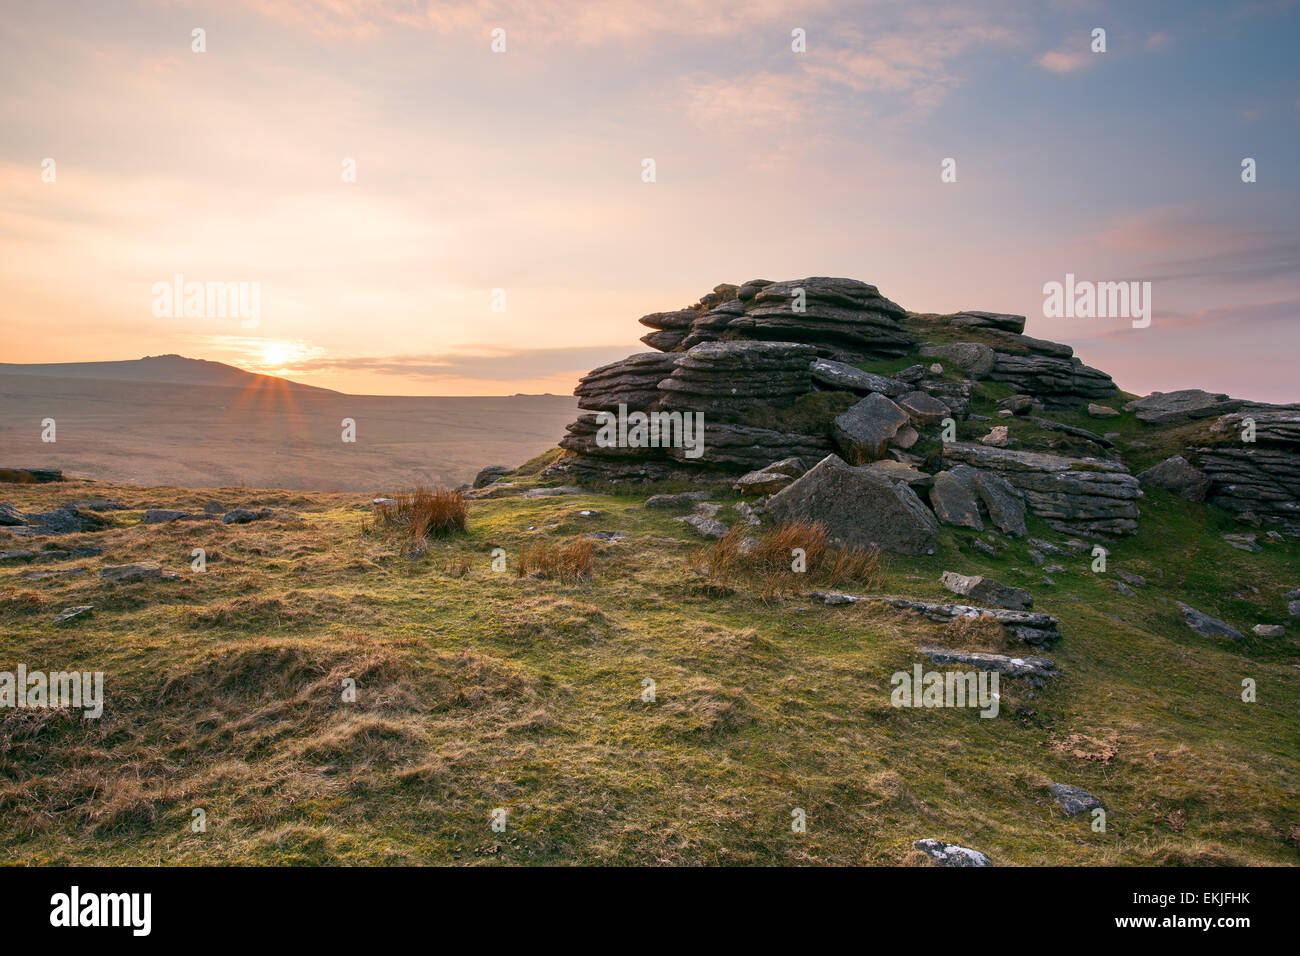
x=423, y=514
x=769, y=561
x=569, y=563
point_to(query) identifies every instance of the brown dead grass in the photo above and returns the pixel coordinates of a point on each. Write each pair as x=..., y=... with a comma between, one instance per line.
x=423, y=514
x=770, y=561
x=570, y=563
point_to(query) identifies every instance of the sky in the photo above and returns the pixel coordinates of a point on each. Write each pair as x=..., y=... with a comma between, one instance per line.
x=522, y=171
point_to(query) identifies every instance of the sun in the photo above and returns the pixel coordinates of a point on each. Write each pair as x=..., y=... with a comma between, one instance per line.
x=275, y=354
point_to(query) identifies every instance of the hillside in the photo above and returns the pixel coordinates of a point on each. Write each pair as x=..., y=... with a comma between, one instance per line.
x=480, y=688
x=170, y=420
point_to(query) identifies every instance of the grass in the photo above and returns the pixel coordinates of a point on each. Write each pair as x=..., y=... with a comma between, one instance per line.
x=479, y=690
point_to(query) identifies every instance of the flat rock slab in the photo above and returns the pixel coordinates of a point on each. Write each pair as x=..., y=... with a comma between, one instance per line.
x=684, y=500
x=1208, y=626
x=709, y=527
x=950, y=854
x=72, y=613
x=144, y=571
x=838, y=376
x=1185, y=405
x=1031, y=627
x=553, y=492
x=1004, y=664
x=1074, y=800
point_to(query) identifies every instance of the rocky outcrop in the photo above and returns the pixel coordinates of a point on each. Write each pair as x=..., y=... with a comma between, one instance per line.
x=1260, y=477
x=1075, y=495
x=859, y=508
x=843, y=318
x=1056, y=379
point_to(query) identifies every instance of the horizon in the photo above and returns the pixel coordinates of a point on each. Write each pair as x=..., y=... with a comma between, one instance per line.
x=232, y=165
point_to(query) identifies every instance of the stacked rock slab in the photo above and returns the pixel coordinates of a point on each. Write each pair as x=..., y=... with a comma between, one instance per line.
x=1075, y=495
x=633, y=381
x=1260, y=477
x=1047, y=370
x=726, y=379
x=842, y=318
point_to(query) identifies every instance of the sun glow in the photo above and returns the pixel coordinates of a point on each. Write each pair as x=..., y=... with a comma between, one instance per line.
x=276, y=354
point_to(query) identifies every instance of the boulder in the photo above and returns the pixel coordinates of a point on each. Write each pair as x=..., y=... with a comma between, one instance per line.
x=484, y=478
x=973, y=358
x=1031, y=627
x=865, y=430
x=1269, y=630
x=954, y=502
x=1178, y=475
x=998, y=437
x=923, y=408
x=9, y=515
x=1074, y=800
x=761, y=482
x=1004, y=503
x=709, y=527
x=1207, y=626
x=987, y=591
x=949, y=854
x=1185, y=405
x=859, y=509
x=1102, y=411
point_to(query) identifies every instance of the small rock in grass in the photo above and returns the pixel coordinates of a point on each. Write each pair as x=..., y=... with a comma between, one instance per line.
x=1269, y=630
x=1074, y=800
x=950, y=854
x=72, y=613
x=1208, y=626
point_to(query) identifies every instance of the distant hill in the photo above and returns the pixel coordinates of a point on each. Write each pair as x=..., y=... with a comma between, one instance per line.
x=169, y=369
